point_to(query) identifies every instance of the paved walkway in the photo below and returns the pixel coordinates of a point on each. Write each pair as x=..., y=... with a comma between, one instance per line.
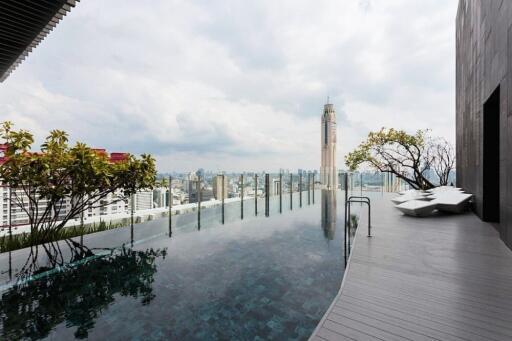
x=436, y=278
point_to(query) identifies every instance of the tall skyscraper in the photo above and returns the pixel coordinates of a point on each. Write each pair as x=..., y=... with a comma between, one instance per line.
x=328, y=174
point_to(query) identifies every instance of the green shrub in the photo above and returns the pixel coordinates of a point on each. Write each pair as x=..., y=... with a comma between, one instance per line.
x=23, y=240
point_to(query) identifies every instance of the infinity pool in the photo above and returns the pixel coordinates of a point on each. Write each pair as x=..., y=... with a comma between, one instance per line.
x=270, y=276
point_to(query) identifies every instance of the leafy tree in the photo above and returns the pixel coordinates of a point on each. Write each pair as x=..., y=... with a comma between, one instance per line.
x=442, y=155
x=60, y=182
x=408, y=156
x=162, y=182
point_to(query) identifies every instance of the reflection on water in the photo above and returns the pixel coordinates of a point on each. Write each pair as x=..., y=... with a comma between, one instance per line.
x=352, y=225
x=263, y=277
x=328, y=212
x=76, y=295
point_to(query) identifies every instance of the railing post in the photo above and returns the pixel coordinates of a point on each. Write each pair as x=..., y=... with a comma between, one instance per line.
x=82, y=215
x=313, y=188
x=222, y=200
x=345, y=178
x=242, y=197
x=369, y=219
x=280, y=192
x=255, y=194
x=10, y=218
x=131, y=218
x=267, y=194
x=300, y=189
x=170, y=205
x=291, y=191
x=10, y=265
x=132, y=200
x=309, y=188
x=198, y=197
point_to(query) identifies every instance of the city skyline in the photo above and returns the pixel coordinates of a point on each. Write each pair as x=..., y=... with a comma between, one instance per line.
x=237, y=85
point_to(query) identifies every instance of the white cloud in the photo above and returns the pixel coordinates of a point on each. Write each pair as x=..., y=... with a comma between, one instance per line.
x=237, y=85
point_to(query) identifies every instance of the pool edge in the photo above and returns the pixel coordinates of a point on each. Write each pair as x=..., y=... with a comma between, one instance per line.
x=335, y=299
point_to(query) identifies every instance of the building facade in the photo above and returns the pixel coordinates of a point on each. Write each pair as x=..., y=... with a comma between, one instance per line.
x=143, y=200
x=275, y=186
x=111, y=204
x=328, y=172
x=220, y=187
x=160, y=197
x=484, y=109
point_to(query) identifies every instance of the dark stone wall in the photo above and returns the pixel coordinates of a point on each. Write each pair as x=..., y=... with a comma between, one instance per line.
x=484, y=62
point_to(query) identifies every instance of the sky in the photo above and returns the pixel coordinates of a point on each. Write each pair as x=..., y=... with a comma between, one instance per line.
x=235, y=85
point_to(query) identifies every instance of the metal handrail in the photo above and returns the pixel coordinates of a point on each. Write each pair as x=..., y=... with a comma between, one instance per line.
x=359, y=197
x=363, y=200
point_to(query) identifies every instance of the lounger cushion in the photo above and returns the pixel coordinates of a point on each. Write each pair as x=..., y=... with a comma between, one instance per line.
x=411, y=196
x=452, y=202
x=417, y=208
x=445, y=189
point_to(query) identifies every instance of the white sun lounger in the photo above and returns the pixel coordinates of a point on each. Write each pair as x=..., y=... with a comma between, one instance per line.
x=454, y=202
x=411, y=196
x=443, y=189
x=417, y=208
x=409, y=191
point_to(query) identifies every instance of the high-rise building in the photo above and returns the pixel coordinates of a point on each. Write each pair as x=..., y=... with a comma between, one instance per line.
x=160, y=197
x=328, y=176
x=143, y=200
x=274, y=186
x=218, y=193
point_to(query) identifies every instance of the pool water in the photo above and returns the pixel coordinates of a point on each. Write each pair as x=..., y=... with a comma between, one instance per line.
x=270, y=276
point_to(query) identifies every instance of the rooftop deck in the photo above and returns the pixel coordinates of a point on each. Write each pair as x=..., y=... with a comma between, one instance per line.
x=438, y=278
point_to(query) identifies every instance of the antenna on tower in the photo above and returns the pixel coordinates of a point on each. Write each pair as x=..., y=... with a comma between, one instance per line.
x=327, y=99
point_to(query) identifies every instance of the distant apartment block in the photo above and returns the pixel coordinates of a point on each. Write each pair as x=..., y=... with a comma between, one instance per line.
x=17, y=213
x=274, y=187
x=143, y=200
x=160, y=197
x=220, y=187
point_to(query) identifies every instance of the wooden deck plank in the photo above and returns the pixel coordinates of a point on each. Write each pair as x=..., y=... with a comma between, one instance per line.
x=440, y=309
x=326, y=334
x=394, y=330
x=418, y=320
x=437, y=287
x=461, y=320
x=391, y=319
x=350, y=330
x=438, y=278
x=501, y=314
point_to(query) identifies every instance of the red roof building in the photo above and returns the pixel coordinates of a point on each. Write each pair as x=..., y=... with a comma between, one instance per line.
x=118, y=157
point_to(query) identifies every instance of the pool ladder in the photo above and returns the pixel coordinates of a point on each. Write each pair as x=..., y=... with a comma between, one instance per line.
x=362, y=200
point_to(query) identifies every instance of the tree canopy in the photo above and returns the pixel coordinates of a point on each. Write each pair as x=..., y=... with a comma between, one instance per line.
x=408, y=156
x=61, y=181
